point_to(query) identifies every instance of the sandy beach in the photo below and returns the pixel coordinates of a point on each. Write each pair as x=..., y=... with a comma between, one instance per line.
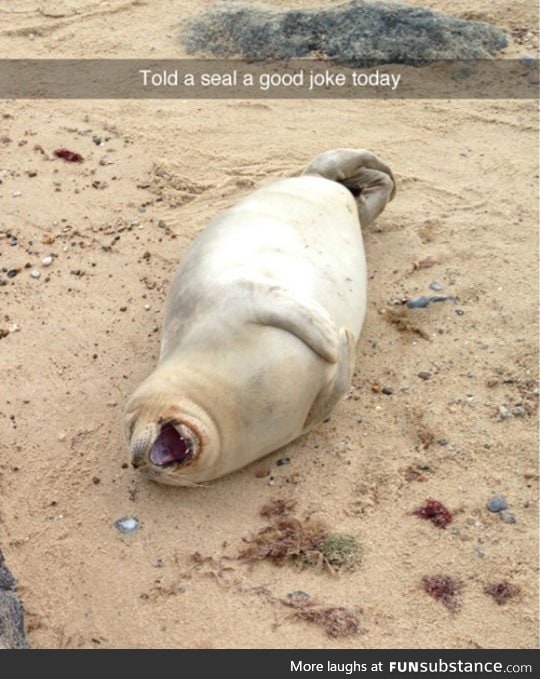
x=443, y=403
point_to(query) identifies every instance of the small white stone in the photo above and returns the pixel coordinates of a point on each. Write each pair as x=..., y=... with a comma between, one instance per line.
x=47, y=261
x=127, y=524
x=147, y=307
x=35, y=273
x=16, y=194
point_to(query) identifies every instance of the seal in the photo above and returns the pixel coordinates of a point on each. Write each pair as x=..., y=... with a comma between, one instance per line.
x=261, y=323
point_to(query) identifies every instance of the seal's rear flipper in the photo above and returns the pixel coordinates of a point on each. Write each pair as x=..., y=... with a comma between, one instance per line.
x=369, y=179
x=339, y=384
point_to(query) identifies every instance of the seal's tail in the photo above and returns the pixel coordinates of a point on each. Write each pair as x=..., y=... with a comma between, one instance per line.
x=369, y=179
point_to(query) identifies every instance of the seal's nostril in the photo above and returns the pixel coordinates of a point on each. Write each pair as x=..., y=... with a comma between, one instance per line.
x=137, y=458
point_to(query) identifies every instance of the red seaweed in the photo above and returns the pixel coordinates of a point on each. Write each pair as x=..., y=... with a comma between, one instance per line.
x=435, y=511
x=69, y=156
x=443, y=588
x=502, y=591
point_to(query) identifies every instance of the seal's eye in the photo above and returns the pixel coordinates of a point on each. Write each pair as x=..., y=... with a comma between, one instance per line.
x=170, y=447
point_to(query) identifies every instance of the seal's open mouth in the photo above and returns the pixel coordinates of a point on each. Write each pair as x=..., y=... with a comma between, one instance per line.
x=170, y=447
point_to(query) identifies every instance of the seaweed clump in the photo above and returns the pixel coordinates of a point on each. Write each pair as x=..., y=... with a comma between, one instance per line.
x=340, y=550
x=502, y=591
x=302, y=542
x=434, y=511
x=337, y=621
x=443, y=588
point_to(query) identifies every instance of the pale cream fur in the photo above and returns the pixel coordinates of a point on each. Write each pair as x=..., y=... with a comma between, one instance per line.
x=262, y=320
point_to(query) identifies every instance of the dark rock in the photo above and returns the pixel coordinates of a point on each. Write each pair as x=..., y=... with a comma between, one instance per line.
x=7, y=581
x=11, y=622
x=359, y=34
x=497, y=503
x=12, y=633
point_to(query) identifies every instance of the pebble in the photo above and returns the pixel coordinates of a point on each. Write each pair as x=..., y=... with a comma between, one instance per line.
x=504, y=413
x=423, y=301
x=526, y=60
x=419, y=302
x=435, y=285
x=519, y=411
x=507, y=516
x=12, y=273
x=127, y=524
x=442, y=442
x=47, y=261
x=282, y=461
x=298, y=597
x=387, y=390
x=147, y=307
x=497, y=503
x=424, y=375
x=35, y=273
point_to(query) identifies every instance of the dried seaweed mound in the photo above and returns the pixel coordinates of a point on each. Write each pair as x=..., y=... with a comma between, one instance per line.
x=356, y=33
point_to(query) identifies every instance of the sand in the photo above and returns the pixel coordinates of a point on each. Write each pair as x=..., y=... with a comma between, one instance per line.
x=77, y=340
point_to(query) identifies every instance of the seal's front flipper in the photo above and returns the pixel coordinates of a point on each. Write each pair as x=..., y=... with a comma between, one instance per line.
x=309, y=321
x=336, y=388
x=369, y=179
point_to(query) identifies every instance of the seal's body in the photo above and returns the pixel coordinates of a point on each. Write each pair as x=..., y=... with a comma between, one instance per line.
x=261, y=323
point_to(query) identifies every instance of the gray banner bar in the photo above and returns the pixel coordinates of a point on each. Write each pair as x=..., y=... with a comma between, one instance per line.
x=236, y=79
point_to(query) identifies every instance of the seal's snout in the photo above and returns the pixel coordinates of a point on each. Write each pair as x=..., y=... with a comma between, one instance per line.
x=140, y=443
x=171, y=447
